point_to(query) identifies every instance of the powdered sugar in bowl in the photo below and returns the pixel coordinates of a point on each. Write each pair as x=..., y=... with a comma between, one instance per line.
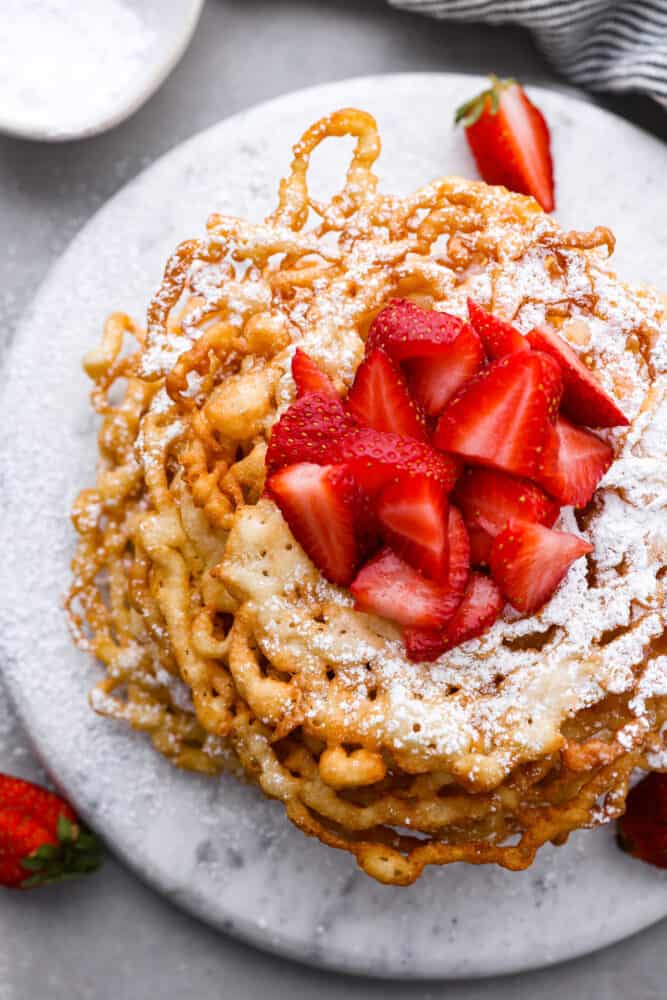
x=68, y=70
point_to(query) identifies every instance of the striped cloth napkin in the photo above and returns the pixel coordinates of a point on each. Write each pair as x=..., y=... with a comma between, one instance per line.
x=614, y=45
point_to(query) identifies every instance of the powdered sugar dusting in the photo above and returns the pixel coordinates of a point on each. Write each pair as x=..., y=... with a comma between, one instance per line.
x=65, y=65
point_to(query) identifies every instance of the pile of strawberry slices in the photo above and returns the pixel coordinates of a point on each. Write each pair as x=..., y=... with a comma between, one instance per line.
x=432, y=488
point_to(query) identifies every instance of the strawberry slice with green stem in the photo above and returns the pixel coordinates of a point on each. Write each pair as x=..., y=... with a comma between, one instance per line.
x=574, y=462
x=413, y=517
x=481, y=604
x=41, y=839
x=405, y=330
x=510, y=141
x=584, y=399
x=498, y=337
x=379, y=398
x=528, y=562
x=322, y=505
x=501, y=417
x=309, y=377
x=434, y=380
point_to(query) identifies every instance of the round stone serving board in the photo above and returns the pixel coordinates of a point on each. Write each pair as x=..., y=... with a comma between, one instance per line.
x=216, y=846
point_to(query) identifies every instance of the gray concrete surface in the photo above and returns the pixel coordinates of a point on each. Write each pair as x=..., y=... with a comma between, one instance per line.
x=110, y=937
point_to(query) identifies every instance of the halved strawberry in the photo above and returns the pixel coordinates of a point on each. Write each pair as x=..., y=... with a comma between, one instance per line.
x=499, y=337
x=459, y=551
x=481, y=543
x=481, y=604
x=380, y=398
x=308, y=377
x=642, y=831
x=389, y=587
x=528, y=561
x=489, y=499
x=574, y=463
x=321, y=504
x=552, y=383
x=435, y=380
x=414, y=521
x=405, y=330
x=584, y=399
x=308, y=431
x=500, y=417
x=378, y=458
x=509, y=139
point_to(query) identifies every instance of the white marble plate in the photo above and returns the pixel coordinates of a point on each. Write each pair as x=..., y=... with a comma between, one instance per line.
x=214, y=846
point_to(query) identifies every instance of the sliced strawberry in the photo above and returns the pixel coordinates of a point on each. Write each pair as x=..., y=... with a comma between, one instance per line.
x=378, y=458
x=405, y=330
x=308, y=431
x=481, y=605
x=435, y=380
x=424, y=645
x=574, y=463
x=642, y=831
x=499, y=338
x=459, y=551
x=552, y=383
x=321, y=504
x=509, y=139
x=500, y=417
x=489, y=499
x=389, y=587
x=380, y=398
x=308, y=377
x=584, y=399
x=414, y=521
x=481, y=543
x=528, y=561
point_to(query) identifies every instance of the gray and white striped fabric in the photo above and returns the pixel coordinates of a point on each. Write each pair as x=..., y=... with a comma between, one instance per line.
x=613, y=45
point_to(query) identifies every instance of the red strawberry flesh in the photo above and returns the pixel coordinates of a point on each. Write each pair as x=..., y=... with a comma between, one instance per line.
x=435, y=380
x=20, y=836
x=498, y=337
x=481, y=604
x=405, y=330
x=309, y=431
x=43, y=805
x=510, y=141
x=528, y=562
x=584, y=399
x=642, y=831
x=575, y=461
x=389, y=587
x=378, y=458
x=413, y=516
x=308, y=377
x=500, y=418
x=380, y=398
x=321, y=505
x=489, y=499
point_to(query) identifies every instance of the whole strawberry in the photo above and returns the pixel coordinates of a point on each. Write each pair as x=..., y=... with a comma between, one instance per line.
x=642, y=831
x=510, y=140
x=41, y=840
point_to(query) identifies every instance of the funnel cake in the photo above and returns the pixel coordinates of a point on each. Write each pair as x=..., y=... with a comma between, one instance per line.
x=222, y=640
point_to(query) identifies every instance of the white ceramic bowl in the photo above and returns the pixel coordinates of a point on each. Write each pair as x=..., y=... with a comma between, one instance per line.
x=166, y=29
